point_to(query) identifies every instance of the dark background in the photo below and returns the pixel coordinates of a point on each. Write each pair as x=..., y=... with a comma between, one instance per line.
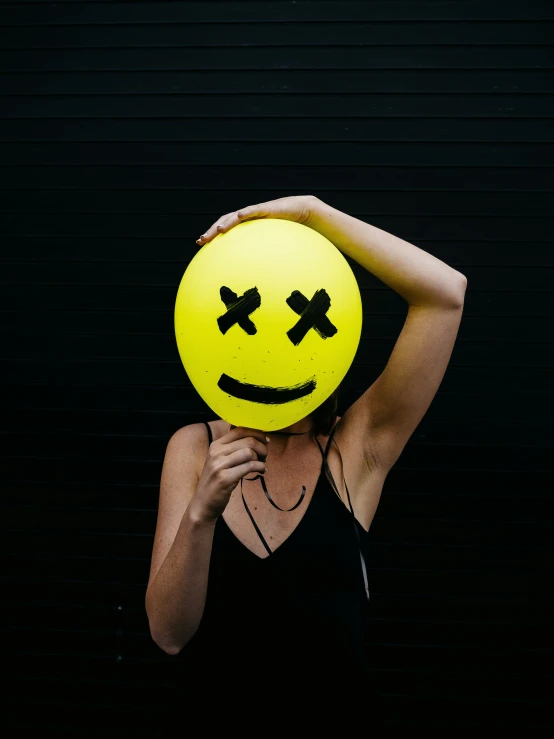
x=126, y=129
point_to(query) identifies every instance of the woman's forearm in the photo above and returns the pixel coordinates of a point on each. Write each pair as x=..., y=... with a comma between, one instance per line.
x=419, y=277
x=176, y=597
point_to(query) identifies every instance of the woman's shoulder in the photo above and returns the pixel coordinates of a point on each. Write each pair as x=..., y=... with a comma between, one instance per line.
x=191, y=432
x=197, y=434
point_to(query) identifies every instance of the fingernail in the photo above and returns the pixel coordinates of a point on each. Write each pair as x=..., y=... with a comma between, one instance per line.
x=267, y=438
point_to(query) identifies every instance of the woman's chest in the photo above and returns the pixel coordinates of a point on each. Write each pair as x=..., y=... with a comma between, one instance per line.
x=270, y=507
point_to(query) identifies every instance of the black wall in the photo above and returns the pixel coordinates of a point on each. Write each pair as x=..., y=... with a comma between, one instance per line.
x=126, y=129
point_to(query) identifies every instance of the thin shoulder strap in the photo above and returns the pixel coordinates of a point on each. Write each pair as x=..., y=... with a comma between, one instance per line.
x=329, y=440
x=332, y=481
x=210, y=437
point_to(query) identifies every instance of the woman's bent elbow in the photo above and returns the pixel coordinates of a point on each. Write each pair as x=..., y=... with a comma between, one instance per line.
x=166, y=646
x=167, y=642
x=166, y=638
x=171, y=650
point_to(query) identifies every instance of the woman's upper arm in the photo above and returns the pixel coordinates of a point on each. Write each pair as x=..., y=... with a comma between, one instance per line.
x=388, y=412
x=181, y=470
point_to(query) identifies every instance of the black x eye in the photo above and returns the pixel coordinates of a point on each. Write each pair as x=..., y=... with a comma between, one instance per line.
x=312, y=315
x=238, y=309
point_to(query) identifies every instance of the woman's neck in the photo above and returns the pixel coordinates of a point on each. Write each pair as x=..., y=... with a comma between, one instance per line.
x=303, y=426
x=295, y=436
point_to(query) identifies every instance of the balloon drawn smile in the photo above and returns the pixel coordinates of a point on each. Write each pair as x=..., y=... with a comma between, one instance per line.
x=264, y=393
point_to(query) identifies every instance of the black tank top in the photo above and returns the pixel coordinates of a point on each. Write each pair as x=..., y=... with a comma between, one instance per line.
x=301, y=613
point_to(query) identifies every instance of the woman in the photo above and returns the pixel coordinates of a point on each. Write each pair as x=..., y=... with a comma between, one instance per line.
x=257, y=587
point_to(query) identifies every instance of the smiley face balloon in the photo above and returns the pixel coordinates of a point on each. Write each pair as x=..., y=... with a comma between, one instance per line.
x=268, y=318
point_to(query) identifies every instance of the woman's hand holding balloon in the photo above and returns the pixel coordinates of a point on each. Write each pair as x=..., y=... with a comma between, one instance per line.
x=231, y=457
x=296, y=208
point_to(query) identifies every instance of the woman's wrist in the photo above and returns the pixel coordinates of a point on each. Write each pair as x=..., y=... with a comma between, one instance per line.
x=319, y=215
x=197, y=517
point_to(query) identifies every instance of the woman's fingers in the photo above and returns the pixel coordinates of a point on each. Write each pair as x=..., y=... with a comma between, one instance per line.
x=259, y=449
x=220, y=226
x=241, y=437
x=229, y=220
x=260, y=210
x=293, y=207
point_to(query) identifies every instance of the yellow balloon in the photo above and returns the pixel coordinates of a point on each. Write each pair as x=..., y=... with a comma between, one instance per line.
x=268, y=318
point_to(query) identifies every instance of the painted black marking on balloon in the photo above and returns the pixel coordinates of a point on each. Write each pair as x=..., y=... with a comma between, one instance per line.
x=263, y=393
x=238, y=309
x=312, y=315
